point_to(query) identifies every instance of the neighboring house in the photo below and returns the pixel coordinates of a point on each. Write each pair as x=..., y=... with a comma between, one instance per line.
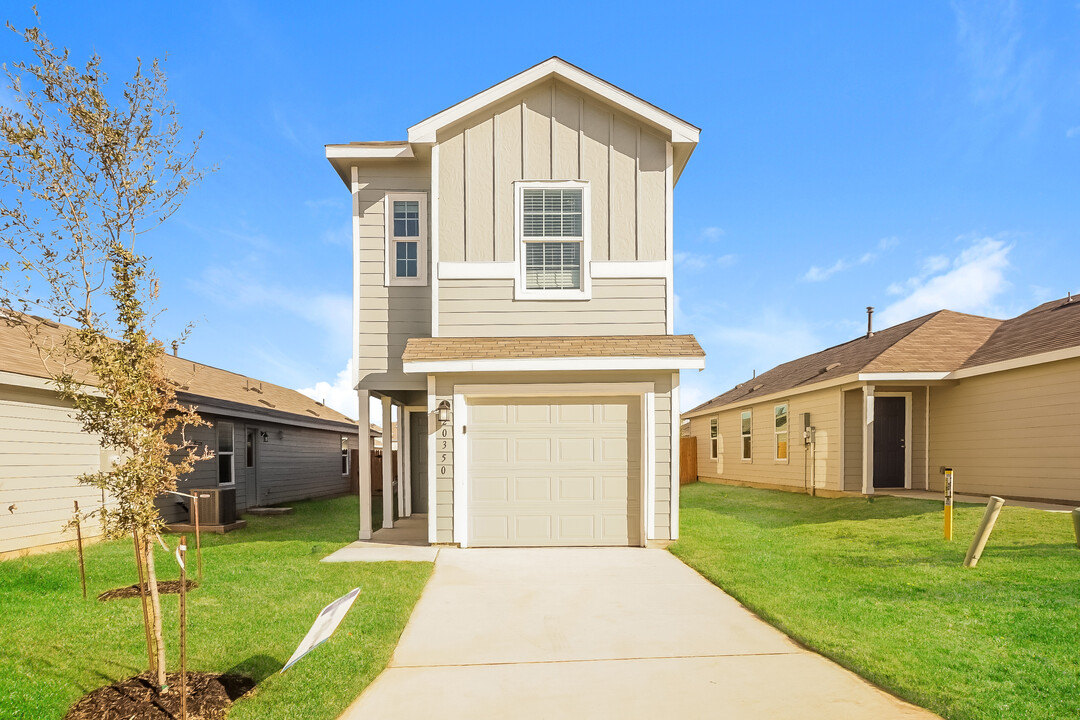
x=513, y=296
x=992, y=399
x=272, y=445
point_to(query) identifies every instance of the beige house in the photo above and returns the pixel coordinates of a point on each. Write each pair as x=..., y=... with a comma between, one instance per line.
x=992, y=399
x=513, y=297
x=272, y=445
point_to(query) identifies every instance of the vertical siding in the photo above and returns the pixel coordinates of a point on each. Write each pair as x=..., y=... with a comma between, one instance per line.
x=389, y=316
x=824, y=468
x=552, y=132
x=42, y=452
x=1014, y=433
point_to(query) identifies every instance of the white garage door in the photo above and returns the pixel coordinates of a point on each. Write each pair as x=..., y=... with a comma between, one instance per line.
x=546, y=471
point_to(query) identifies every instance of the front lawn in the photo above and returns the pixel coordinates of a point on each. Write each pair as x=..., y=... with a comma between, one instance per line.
x=263, y=587
x=875, y=587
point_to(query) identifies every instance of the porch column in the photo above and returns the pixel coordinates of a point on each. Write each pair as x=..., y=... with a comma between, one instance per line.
x=364, y=458
x=387, y=464
x=401, y=462
x=868, y=440
x=406, y=459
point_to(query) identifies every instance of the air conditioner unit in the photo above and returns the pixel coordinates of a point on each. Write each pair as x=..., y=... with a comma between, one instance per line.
x=217, y=506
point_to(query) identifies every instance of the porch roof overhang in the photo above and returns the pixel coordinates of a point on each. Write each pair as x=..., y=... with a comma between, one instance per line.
x=548, y=353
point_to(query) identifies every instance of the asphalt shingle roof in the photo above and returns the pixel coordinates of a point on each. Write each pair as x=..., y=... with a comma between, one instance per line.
x=503, y=348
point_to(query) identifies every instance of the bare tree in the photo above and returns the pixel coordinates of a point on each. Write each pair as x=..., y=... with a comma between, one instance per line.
x=83, y=175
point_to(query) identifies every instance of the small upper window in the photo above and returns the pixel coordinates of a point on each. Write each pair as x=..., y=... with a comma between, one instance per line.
x=406, y=231
x=747, y=425
x=714, y=437
x=781, y=413
x=553, y=240
x=225, y=453
x=344, y=455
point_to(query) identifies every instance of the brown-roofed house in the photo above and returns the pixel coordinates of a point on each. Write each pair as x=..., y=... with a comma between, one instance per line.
x=272, y=444
x=989, y=398
x=515, y=302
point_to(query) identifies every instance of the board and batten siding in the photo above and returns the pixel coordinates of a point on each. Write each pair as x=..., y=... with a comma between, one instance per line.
x=387, y=316
x=1014, y=433
x=43, y=450
x=551, y=132
x=763, y=469
x=444, y=390
x=486, y=308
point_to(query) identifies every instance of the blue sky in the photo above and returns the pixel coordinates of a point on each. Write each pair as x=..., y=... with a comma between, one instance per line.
x=910, y=156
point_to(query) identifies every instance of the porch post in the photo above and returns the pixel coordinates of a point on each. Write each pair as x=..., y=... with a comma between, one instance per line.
x=868, y=440
x=387, y=464
x=364, y=458
x=406, y=458
x=401, y=462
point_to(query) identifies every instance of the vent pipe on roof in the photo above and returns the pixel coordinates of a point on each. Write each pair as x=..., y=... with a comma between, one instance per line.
x=175, y=347
x=1068, y=298
x=869, y=321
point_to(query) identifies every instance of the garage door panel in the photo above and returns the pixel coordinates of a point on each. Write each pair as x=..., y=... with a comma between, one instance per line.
x=571, y=474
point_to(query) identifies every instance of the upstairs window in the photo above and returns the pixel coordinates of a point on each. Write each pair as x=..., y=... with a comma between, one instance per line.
x=553, y=249
x=714, y=437
x=406, y=239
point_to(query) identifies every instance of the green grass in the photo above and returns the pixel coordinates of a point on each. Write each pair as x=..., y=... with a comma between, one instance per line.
x=874, y=586
x=263, y=588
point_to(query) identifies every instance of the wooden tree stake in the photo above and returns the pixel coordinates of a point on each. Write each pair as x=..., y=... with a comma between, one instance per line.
x=82, y=563
x=152, y=659
x=198, y=540
x=182, y=550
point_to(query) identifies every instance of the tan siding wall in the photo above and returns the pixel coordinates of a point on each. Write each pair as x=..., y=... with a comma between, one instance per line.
x=824, y=407
x=444, y=389
x=486, y=308
x=388, y=315
x=853, y=418
x=42, y=451
x=1013, y=433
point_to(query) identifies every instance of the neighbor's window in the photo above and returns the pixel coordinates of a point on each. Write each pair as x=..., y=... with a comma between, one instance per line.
x=344, y=455
x=781, y=431
x=225, y=453
x=406, y=234
x=714, y=436
x=250, y=448
x=747, y=424
x=553, y=248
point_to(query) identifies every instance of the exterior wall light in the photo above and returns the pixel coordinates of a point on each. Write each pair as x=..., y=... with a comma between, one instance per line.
x=442, y=413
x=265, y=436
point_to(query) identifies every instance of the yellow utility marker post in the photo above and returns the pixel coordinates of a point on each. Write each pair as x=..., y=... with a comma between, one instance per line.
x=948, y=503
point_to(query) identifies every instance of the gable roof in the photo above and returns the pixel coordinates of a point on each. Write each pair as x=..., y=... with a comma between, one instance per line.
x=195, y=383
x=938, y=342
x=1054, y=325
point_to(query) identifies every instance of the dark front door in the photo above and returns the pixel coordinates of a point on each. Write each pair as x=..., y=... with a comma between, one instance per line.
x=418, y=437
x=889, y=441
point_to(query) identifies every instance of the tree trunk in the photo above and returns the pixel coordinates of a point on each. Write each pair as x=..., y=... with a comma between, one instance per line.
x=155, y=604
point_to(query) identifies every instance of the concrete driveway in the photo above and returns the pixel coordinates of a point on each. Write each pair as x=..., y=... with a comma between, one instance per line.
x=601, y=633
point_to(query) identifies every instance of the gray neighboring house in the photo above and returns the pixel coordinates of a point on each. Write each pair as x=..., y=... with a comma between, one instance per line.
x=272, y=444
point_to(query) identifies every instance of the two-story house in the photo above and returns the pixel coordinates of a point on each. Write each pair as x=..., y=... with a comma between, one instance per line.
x=513, y=298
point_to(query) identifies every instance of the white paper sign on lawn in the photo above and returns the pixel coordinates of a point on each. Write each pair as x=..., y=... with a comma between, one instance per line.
x=325, y=625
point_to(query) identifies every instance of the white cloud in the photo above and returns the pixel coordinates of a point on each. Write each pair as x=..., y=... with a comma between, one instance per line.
x=1073, y=132
x=700, y=261
x=712, y=233
x=338, y=395
x=970, y=282
x=817, y=273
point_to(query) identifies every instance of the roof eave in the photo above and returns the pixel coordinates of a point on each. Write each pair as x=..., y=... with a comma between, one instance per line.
x=583, y=364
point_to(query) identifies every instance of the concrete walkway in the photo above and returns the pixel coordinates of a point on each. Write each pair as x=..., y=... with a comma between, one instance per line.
x=601, y=633
x=406, y=541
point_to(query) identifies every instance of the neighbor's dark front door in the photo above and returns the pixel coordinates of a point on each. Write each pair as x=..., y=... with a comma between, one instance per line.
x=418, y=437
x=889, y=442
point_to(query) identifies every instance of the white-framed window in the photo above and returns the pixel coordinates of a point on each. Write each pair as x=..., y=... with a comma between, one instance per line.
x=225, y=453
x=406, y=239
x=747, y=425
x=780, y=413
x=552, y=249
x=344, y=454
x=714, y=438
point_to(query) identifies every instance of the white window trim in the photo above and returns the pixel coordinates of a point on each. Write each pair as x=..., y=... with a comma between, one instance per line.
x=520, y=291
x=232, y=453
x=743, y=436
x=390, y=258
x=347, y=450
x=714, y=438
x=776, y=434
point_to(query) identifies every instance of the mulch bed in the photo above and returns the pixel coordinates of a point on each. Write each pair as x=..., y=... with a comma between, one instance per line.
x=209, y=698
x=164, y=587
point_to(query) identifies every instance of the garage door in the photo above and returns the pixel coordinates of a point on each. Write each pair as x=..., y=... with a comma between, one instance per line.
x=547, y=471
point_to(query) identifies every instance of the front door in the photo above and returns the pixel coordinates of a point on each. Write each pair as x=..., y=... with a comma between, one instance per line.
x=418, y=436
x=889, y=422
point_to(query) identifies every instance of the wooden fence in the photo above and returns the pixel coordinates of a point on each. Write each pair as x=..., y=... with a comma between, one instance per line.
x=687, y=460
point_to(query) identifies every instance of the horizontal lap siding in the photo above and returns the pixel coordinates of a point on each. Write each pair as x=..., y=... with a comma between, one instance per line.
x=1014, y=433
x=824, y=407
x=486, y=308
x=853, y=437
x=389, y=316
x=42, y=452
